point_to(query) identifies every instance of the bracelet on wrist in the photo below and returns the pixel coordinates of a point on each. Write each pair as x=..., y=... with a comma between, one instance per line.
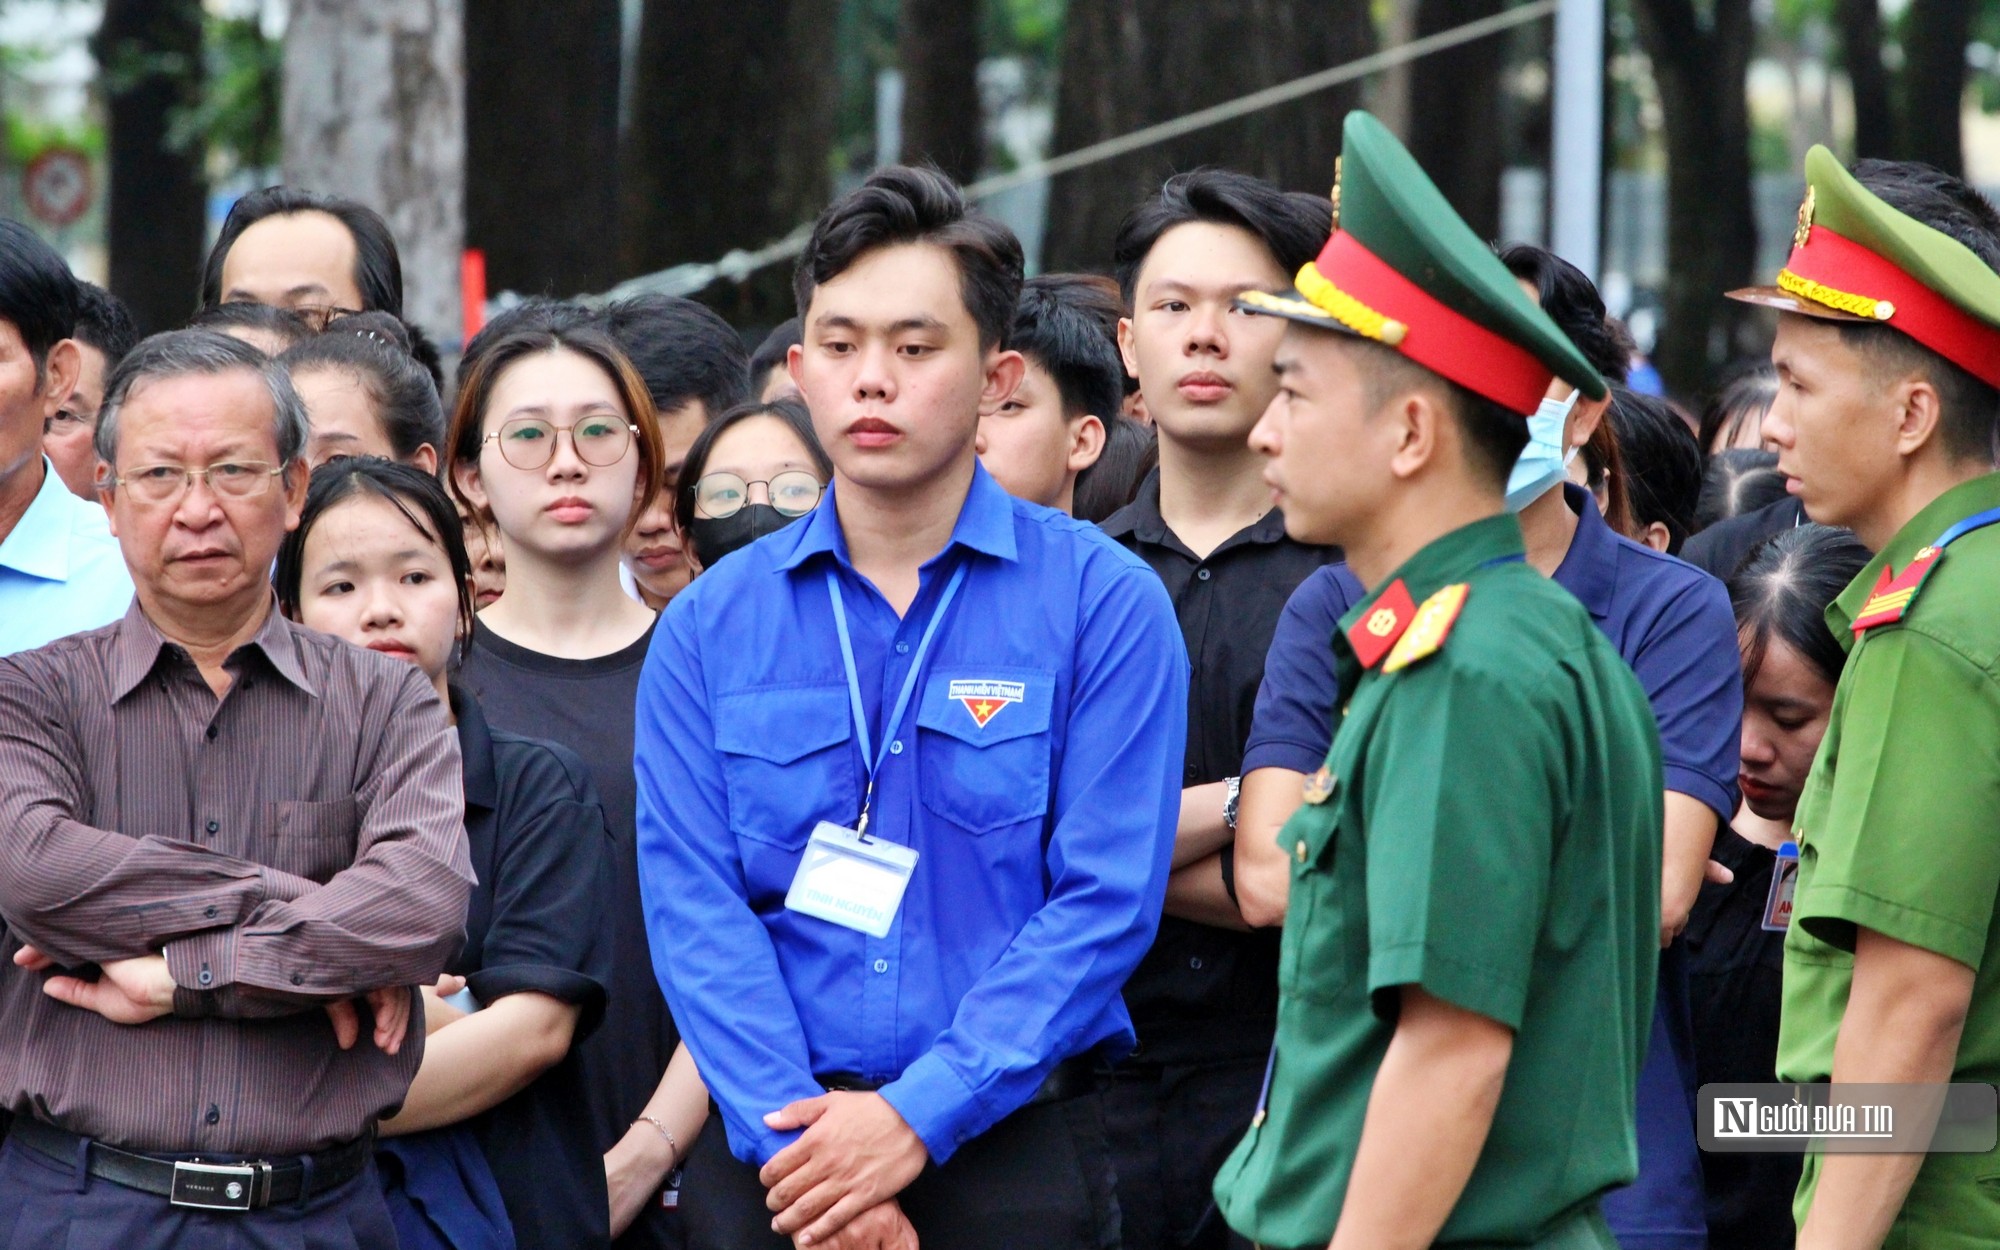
x=673, y=1147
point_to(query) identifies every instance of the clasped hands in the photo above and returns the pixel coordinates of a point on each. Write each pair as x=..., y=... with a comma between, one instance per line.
x=133, y=991
x=836, y=1185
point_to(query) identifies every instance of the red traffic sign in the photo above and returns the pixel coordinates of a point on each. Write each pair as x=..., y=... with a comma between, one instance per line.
x=57, y=186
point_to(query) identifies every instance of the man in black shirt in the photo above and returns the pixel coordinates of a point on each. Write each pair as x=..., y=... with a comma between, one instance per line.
x=1205, y=999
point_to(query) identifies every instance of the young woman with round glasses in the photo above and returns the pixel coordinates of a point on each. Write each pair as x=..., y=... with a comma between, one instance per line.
x=752, y=471
x=554, y=443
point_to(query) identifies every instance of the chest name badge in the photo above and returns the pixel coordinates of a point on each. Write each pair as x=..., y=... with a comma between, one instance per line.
x=985, y=699
x=1430, y=628
x=1784, y=882
x=1892, y=596
x=850, y=880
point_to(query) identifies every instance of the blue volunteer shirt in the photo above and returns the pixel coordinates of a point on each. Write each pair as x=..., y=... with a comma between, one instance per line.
x=1673, y=624
x=1036, y=774
x=61, y=571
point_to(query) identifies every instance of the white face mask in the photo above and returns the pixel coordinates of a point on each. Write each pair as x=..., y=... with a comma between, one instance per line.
x=1544, y=462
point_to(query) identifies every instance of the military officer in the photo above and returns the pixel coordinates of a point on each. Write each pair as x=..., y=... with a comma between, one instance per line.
x=1469, y=955
x=1888, y=358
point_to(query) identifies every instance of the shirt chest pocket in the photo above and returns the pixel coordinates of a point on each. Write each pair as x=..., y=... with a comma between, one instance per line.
x=986, y=746
x=315, y=840
x=1325, y=933
x=786, y=762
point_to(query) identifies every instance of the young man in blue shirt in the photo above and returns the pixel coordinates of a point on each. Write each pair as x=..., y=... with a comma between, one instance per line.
x=949, y=719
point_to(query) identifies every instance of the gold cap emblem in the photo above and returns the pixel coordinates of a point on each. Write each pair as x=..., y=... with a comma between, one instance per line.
x=1336, y=193
x=1800, y=235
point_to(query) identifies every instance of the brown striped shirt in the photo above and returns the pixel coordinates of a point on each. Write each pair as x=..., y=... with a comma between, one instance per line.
x=297, y=841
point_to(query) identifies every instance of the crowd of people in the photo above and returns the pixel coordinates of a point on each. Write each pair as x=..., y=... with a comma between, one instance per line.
x=1271, y=745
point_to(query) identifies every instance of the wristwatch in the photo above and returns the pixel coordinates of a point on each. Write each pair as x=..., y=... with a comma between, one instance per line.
x=1235, y=785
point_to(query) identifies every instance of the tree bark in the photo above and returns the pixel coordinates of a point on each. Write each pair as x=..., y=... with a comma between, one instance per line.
x=1711, y=228
x=1455, y=121
x=158, y=198
x=727, y=148
x=937, y=44
x=1130, y=63
x=374, y=109
x=1933, y=81
x=1861, y=51
x=541, y=142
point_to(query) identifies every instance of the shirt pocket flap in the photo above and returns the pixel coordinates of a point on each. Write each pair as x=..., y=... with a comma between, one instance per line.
x=987, y=706
x=782, y=724
x=315, y=840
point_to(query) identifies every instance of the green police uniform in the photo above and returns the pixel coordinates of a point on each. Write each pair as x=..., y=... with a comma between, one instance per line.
x=1899, y=822
x=1488, y=822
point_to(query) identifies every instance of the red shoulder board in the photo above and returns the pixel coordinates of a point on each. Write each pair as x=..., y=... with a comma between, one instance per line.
x=1377, y=631
x=1892, y=596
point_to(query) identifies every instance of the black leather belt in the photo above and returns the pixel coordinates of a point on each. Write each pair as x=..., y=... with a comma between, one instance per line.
x=193, y=1182
x=1070, y=1079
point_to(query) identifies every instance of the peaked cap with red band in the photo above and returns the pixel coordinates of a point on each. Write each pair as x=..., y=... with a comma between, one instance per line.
x=1403, y=269
x=1854, y=258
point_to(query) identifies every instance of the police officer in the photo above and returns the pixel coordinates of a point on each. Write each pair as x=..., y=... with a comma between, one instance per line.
x=1888, y=358
x=1468, y=961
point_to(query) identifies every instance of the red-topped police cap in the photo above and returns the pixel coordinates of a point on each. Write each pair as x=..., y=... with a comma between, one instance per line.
x=1854, y=258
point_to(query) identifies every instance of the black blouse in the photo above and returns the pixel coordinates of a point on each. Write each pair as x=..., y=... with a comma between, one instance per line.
x=1736, y=975
x=542, y=852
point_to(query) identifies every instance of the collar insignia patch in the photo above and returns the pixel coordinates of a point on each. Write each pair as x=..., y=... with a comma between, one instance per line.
x=1893, y=596
x=1378, y=629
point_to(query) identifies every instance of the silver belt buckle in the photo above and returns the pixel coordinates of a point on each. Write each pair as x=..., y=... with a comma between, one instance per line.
x=220, y=1186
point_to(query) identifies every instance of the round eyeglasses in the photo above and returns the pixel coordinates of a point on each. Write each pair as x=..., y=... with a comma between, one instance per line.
x=794, y=493
x=530, y=442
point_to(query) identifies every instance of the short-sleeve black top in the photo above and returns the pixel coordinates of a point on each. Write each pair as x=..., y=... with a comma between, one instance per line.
x=535, y=923
x=1204, y=993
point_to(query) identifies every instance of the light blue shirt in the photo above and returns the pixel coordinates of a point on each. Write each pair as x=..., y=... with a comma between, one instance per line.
x=1037, y=774
x=61, y=571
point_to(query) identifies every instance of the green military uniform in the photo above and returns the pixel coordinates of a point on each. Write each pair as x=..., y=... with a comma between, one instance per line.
x=1488, y=822
x=1899, y=823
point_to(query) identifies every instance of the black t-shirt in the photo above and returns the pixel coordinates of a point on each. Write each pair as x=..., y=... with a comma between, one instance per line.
x=1736, y=989
x=1720, y=548
x=586, y=705
x=1201, y=992
x=542, y=855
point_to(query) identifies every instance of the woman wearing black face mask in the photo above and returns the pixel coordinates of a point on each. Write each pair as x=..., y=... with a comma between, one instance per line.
x=754, y=470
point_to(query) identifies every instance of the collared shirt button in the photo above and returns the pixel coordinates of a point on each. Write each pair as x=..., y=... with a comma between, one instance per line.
x=214, y=1115
x=298, y=978
x=212, y=731
x=881, y=965
x=215, y=826
x=902, y=648
x=1195, y=963
x=896, y=747
x=206, y=977
x=1302, y=850
x=208, y=912
x=1202, y=575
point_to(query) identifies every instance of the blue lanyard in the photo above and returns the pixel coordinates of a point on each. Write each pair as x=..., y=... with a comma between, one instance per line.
x=1969, y=524
x=872, y=759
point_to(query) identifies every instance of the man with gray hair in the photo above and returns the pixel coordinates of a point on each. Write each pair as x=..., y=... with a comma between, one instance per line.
x=223, y=829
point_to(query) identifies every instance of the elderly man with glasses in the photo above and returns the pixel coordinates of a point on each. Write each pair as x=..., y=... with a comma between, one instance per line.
x=226, y=838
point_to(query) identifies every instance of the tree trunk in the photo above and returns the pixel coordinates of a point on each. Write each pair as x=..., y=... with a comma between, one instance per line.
x=374, y=109
x=1711, y=228
x=727, y=148
x=938, y=46
x=1455, y=121
x=158, y=198
x=1861, y=51
x=541, y=142
x=1933, y=81
x=1130, y=63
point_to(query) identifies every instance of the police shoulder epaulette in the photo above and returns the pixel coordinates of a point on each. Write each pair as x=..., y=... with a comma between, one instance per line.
x=1892, y=596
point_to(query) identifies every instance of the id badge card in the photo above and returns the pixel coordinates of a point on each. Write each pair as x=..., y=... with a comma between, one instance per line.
x=850, y=880
x=1784, y=881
